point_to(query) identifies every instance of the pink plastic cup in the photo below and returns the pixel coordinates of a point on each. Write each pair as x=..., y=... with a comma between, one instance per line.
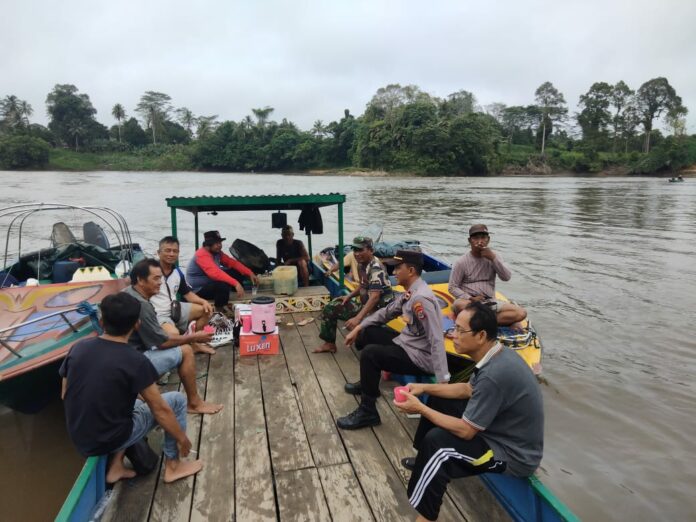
x=209, y=329
x=398, y=395
x=246, y=323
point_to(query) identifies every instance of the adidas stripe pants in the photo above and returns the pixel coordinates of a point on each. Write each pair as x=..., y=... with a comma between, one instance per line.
x=442, y=457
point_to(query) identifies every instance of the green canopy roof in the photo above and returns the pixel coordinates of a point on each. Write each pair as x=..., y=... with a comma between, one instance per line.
x=265, y=202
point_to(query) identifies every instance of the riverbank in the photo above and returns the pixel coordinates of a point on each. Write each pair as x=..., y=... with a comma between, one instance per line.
x=179, y=160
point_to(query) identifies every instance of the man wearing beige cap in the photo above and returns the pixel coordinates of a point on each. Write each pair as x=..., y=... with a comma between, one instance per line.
x=374, y=291
x=473, y=278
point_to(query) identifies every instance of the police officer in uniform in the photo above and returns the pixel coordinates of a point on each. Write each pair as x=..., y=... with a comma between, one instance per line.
x=418, y=350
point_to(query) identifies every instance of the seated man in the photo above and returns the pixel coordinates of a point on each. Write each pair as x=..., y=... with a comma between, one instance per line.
x=102, y=377
x=212, y=273
x=473, y=278
x=165, y=351
x=374, y=290
x=493, y=424
x=291, y=251
x=418, y=350
x=195, y=310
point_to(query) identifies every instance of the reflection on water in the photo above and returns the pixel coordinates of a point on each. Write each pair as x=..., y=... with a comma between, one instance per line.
x=605, y=267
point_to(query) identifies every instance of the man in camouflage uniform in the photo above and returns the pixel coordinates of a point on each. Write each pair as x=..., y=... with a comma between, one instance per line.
x=374, y=291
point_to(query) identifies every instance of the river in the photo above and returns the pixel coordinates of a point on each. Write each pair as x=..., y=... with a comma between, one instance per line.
x=605, y=267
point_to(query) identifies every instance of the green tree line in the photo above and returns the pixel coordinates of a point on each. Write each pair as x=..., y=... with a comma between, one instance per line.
x=402, y=128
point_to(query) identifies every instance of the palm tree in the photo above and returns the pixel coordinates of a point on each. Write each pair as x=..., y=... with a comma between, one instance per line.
x=206, y=124
x=76, y=129
x=25, y=110
x=119, y=113
x=318, y=129
x=187, y=119
x=262, y=114
x=10, y=110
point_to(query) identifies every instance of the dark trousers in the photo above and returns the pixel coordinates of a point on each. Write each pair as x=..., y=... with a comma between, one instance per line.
x=381, y=354
x=218, y=290
x=442, y=456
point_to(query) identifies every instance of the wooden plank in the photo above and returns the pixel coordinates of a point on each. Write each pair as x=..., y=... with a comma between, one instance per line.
x=253, y=485
x=213, y=495
x=286, y=433
x=343, y=494
x=300, y=496
x=322, y=434
x=172, y=502
x=380, y=483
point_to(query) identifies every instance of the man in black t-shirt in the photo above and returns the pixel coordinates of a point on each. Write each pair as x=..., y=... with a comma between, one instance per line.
x=102, y=378
x=291, y=251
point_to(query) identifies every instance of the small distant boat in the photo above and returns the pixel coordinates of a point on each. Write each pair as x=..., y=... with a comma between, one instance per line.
x=678, y=179
x=48, y=297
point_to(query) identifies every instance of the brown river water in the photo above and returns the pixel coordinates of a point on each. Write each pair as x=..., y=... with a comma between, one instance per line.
x=605, y=267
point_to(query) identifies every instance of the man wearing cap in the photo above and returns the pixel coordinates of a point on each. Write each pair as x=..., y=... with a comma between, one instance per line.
x=417, y=350
x=374, y=290
x=291, y=251
x=473, y=277
x=211, y=273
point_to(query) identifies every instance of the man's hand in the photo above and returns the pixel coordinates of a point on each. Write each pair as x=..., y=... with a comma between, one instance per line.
x=416, y=388
x=202, y=337
x=184, y=446
x=345, y=299
x=352, y=323
x=207, y=308
x=488, y=253
x=240, y=290
x=411, y=405
x=254, y=279
x=352, y=336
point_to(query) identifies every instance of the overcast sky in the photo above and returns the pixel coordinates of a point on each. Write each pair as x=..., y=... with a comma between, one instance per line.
x=312, y=60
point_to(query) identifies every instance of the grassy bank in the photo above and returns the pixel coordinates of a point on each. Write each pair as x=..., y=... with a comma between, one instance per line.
x=174, y=160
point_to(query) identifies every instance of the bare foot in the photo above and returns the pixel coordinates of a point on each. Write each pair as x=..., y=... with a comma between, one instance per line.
x=117, y=471
x=203, y=348
x=326, y=347
x=178, y=469
x=204, y=408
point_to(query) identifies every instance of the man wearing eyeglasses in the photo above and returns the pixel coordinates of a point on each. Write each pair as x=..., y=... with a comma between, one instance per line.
x=493, y=424
x=473, y=277
x=417, y=350
x=374, y=291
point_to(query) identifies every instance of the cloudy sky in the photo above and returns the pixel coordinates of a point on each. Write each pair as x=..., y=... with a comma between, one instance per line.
x=311, y=60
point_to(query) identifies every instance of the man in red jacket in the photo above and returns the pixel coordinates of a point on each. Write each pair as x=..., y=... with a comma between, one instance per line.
x=211, y=274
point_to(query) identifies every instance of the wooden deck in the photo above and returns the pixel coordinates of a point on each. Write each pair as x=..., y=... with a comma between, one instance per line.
x=274, y=452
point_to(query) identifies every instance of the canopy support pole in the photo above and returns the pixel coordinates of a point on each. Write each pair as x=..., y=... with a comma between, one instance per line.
x=339, y=254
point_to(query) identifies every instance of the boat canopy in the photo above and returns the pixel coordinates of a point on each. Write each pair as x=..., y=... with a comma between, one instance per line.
x=274, y=202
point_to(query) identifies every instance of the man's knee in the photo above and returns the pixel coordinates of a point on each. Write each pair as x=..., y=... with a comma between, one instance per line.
x=176, y=401
x=521, y=314
x=186, y=351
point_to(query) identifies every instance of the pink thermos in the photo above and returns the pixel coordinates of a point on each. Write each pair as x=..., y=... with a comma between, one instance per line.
x=263, y=314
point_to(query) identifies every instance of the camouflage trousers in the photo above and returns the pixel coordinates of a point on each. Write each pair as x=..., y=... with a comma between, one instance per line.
x=331, y=314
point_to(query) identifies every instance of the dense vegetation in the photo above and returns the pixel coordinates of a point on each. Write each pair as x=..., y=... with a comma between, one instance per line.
x=403, y=129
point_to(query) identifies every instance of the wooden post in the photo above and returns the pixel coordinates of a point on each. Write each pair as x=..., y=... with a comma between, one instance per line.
x=339, y=254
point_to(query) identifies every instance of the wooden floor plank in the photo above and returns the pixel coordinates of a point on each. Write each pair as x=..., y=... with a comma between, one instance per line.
x=380, y=483
x=322, y=434
x=343, y=494
x=172, y=502
x=253, y=482
x=213, y=496
x=300, y=496
x=286, y=432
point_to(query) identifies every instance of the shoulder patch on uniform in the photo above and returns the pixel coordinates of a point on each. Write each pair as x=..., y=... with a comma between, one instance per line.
x=418, y=310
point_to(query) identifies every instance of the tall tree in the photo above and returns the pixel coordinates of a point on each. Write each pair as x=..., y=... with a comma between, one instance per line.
x=76, y=128
x=25, y=110
x=458, y=103
x=154, y=107
x=11, y=111
x=68, y=109
x=497, y=110
x=262, y=115
x=206, y=125
x=595, y=116
x=552, y=108
x=119, y=113
x=187, y=119
x=318, y=129
x=654, y=98
x=622, y=103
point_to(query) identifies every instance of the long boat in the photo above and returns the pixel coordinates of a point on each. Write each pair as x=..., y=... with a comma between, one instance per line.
x=48, y=296
x=520, y=499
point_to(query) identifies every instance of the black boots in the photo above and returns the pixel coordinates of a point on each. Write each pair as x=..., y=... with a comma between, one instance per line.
x=363, y=417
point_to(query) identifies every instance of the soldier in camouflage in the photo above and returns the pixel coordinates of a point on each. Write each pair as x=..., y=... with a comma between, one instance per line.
x=374, y=291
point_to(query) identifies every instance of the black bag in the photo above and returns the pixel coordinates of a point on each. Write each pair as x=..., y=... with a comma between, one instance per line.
x=175, y=310
x=142, y=457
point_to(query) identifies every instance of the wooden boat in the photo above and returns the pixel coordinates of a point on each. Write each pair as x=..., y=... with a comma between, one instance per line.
x=678, y=179
x=521, y=499
x=52, y=303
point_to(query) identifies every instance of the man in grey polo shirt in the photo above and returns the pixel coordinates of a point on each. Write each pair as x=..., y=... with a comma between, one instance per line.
x=493, y=424
x=165, y=351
